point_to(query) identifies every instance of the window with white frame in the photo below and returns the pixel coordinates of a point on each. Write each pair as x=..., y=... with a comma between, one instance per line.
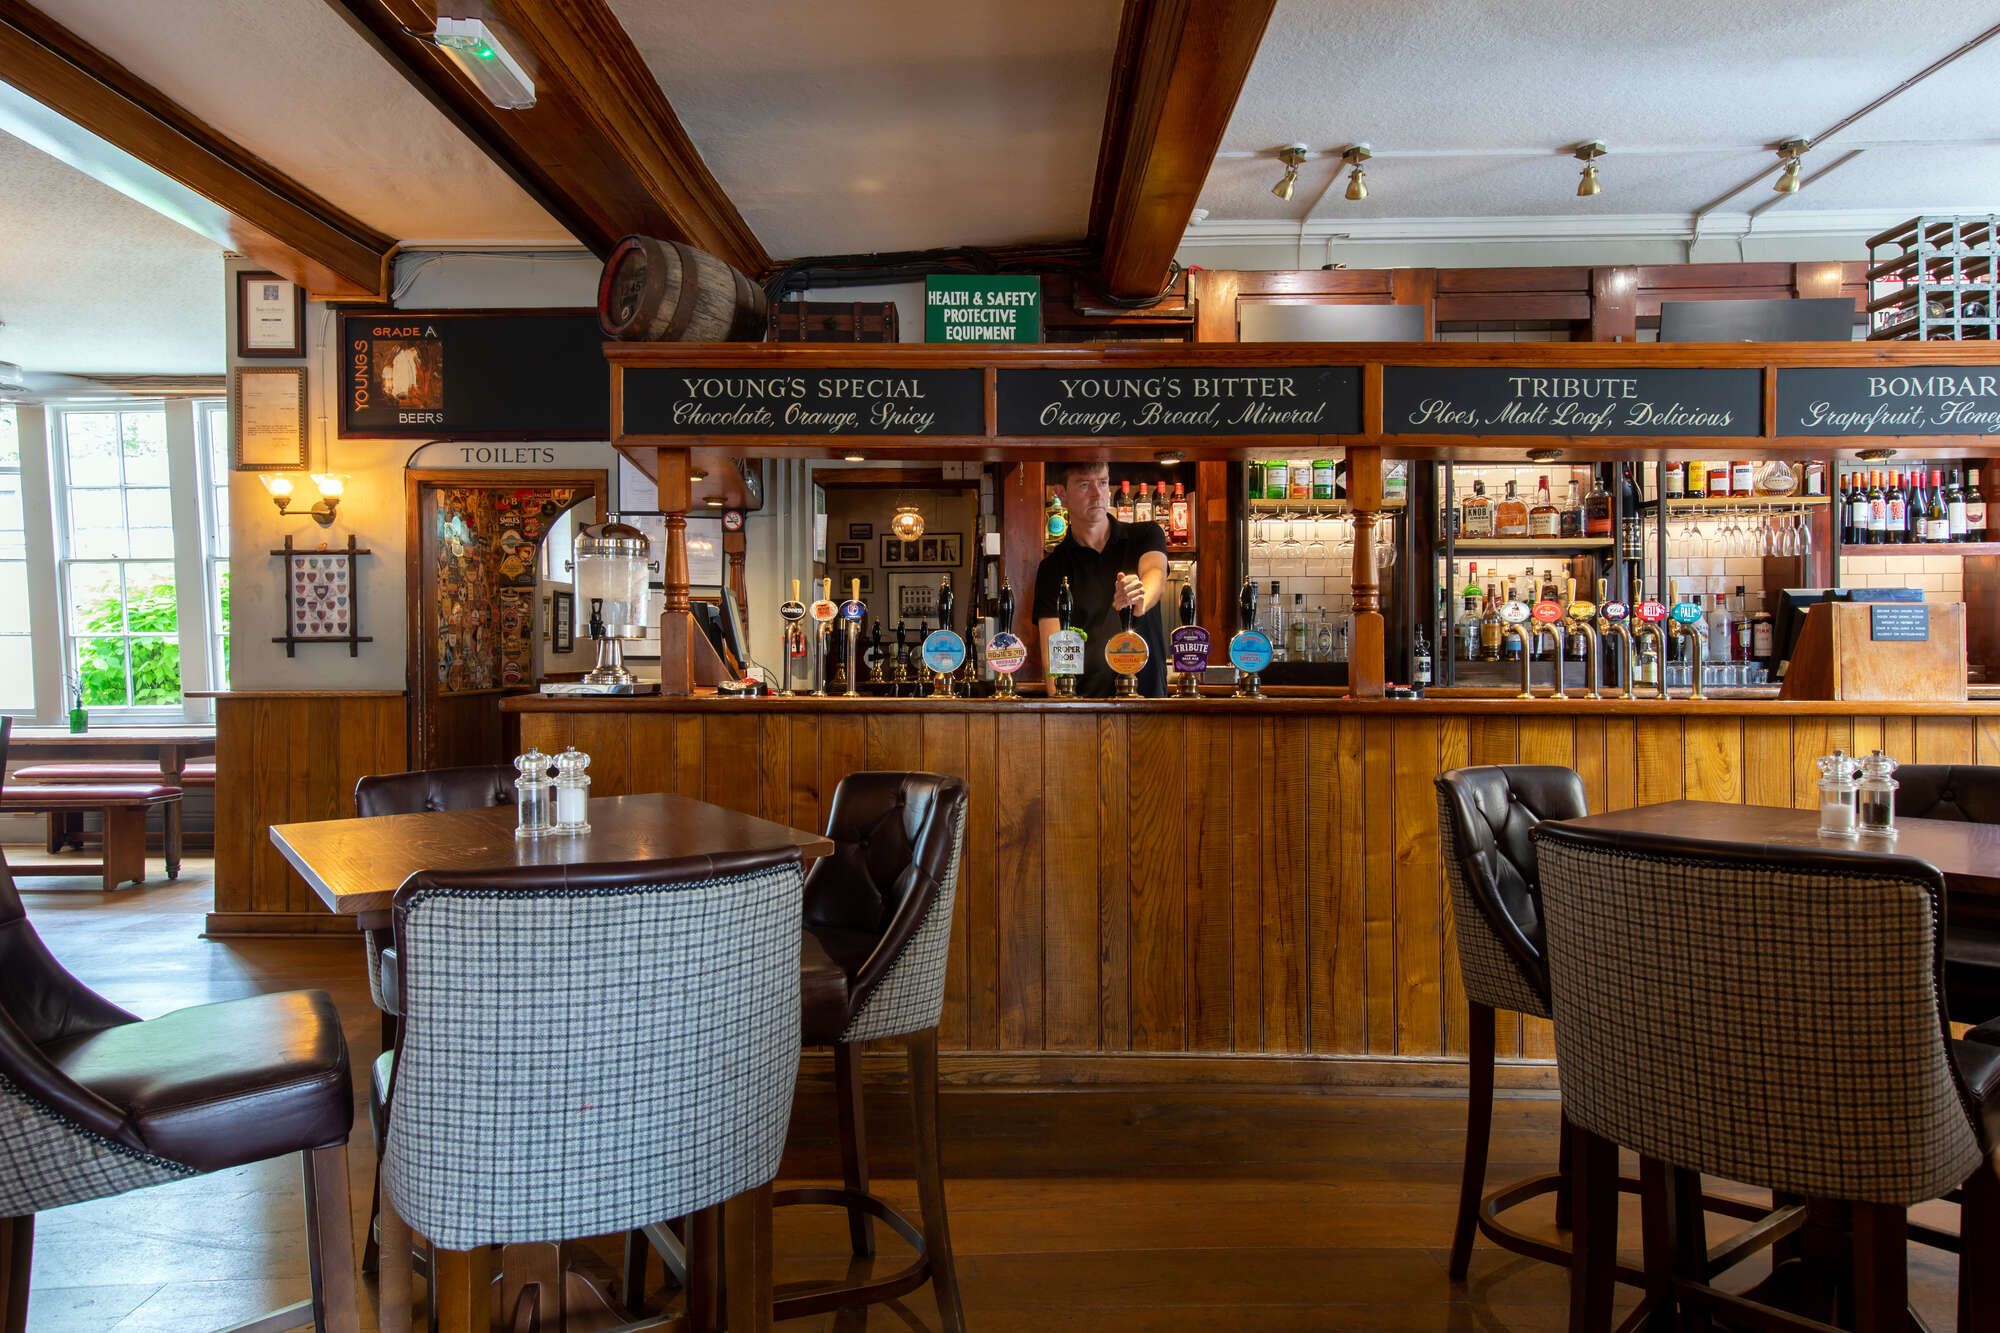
x=17, y=657
x=212, y=431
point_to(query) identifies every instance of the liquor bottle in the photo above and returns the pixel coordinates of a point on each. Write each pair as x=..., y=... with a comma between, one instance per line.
x=1815, y=476
x=1597, y=507
x=1742, y=477
x=1572, y=513
x=1676, y=487
x=1277, y=481
x=1742, y=644
x=1510, y=516
x=1544, y=519
x=1697, y=479
x=1549, y=590
x=1253, y=479
x=1491, y=628
x=1475, y=513
x=1322, y=478
x=1139, y=510
x=1937, y=519
x=1914, y=502
x=1718, y=479
x=1632, y=536
x=1055, y=521
x=1300, y=630
x=1122, y=509
x=1878, y=509
x=1420, y=660
x=1180, y=524
x=1895, y=510
x=1302, y=480
x=1718, y=629
x=1513, y=638
x=1323, y=638
x=1853, y=509
x=1975, y=510
x=1467, y=624
x=1275, y=630
x=1762, y=644
x=1954, y=509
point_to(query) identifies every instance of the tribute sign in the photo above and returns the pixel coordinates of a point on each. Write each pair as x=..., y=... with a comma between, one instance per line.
x=849, y=401
x=1529, y=400
x=1181, y=400
x=1906, y=400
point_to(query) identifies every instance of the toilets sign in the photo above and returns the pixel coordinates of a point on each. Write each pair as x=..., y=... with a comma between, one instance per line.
x=965, y=309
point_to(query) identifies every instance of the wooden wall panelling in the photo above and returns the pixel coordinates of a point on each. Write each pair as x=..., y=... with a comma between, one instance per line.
x=1213, y=815
x=1988, y=751
x=1943, y=740
x=1020, y=819
x=1621, y=774
x=1590, y=760
x=1113, y=796
x=1454, y=745
x=1333, y=1013
x=730, y=744
x=1767, y=761
x=1246, y=881
x=1658, y=755
x=1712, y=752
x=1156, y=959
x=1287, y=931
x=1070, y=909
x=983, y=902
x=1378, y=885
x=1614, y=309
x=1899, y=737
x=1417, y=897
x=774, y=765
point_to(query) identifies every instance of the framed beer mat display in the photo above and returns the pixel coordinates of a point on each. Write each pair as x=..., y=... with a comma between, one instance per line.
x=322, y=598
x=933, y=550
x=562, y=621
x=472, y=375
x=268, y=419
x=270, y=316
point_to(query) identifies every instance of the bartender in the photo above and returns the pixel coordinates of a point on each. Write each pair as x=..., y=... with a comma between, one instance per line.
x=1110, y=566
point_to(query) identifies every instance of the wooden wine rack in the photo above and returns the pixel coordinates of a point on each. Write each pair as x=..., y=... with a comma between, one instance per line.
x=1935, y=278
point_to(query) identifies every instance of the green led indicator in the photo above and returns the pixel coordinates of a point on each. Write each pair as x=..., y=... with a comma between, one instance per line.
x=484, y=53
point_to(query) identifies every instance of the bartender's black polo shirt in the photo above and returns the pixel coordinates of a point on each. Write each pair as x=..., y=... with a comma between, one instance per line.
x=1092, y=579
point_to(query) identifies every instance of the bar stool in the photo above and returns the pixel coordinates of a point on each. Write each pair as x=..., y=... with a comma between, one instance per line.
x=589, y=1049
x=96, y=1102
x=1969, y=792
x=877, y=938
x=1772, y=1017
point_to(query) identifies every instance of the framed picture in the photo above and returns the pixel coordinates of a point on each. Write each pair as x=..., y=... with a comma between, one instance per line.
x=819, y=523
x=860, y=532
x=892, y=551
x=849, y=553
x=847, y=578
x=270, y=316
x=268, y=419
x=929, y=548
x=912, y=597
x=562, y=622
x=939, y=550
x=948, y=549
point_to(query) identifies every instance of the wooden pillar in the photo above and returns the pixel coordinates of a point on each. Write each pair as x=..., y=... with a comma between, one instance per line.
x=1023, y=490
x=1215, y=569
x=676, y=624
x=1614, y=305
x=1367, y=657
x=1417, y=286
x=735, y=548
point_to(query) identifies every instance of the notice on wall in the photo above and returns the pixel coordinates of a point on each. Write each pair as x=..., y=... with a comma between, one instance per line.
x=959, y=308
x=1904, y=400
x=1181, y=400
x=848, y=401
x=1525, y=400
x=472, y=374
x=1905, y=623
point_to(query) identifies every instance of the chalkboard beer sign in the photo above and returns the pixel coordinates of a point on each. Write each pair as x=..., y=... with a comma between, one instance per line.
x=1540, y=400
x=1906, y=400
x=472, y=375
x=901, y=400
x=1180, y=400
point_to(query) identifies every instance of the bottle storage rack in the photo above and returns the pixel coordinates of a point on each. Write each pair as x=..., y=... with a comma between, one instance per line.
x=1935, y=278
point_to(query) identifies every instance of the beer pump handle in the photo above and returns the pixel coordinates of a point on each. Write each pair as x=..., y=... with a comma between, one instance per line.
x=826, y=590
x=944, y=602
x=1125, y=616
x=854, y=590
x=795, y=590
x=1187, y=604
x=1246, y=605
x=1006, y=610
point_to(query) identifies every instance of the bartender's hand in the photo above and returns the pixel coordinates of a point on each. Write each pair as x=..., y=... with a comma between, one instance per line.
x=1129, y=592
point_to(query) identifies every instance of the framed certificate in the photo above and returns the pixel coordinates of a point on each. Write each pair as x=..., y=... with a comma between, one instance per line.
x=269, y=419
x=270, y=316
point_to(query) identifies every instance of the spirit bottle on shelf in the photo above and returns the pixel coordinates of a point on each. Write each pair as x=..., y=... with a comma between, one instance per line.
x=1420, y=660
x=1491, y=627
x=1632, y=536
x=1510, y=516
x=1597, y=508
x=1937, y=519
x=1762, y=644
x=1139, y=510
x=1512, y=638
x=1676, y=487
x=1743, y=642
x=1475, y=513
x=1467, y=623
x=1180, y=525
x=1276, y=628
x=1572, y=513
x=1895, y=511
x=1323, y=637
x=1122, y=509
x=1301, y=648
x=1163, y=509
x=1954, y=509
x=1975, y=510
x=1718, y=629
x=1544, y=519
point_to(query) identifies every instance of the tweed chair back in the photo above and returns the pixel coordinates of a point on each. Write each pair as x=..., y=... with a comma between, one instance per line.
x=1486, y=819
x=1967, y=792
x=589, y=1049
x=898, y=838
x=1771, y=1017
x=472, y=787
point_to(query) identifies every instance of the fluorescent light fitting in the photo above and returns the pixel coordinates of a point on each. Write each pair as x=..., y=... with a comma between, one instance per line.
x=477, y=51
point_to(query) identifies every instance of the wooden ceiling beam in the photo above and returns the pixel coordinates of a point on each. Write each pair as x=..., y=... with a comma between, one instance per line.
x=601, y=149
x=257, y=210
x=1180, y=67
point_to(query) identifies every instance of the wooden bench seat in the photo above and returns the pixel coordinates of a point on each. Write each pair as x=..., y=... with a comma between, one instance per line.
x=198, y=773
x=123, y=806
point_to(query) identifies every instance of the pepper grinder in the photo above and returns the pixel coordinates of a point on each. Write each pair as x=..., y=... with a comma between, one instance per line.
x=1875, y=796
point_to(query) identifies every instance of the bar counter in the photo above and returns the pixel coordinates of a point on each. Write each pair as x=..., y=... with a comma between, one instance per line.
x=1222, y=890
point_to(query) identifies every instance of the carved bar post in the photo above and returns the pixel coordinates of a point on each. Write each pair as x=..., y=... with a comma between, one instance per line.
x=1367, y=660
x=676, y=622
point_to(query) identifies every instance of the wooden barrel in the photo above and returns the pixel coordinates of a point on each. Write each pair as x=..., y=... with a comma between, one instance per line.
x=663, y=291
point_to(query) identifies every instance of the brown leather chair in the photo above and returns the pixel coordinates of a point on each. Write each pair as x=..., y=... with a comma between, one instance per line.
x=1969, y=792
x=95, y=1101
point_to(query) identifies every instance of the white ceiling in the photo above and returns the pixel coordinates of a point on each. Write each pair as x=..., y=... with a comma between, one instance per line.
x=290, y=81
x=94, y=282
x=894, y=125
x=1701, y=86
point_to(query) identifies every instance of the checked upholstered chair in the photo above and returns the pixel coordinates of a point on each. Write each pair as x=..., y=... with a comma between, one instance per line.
x=1775, y=1018
x=585, y=1050
x=95, y=1101
x=877, y=937
x=1969, y=792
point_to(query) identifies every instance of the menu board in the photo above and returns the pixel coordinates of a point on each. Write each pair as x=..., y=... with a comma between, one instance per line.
x=469, y=375
x=1531, y=400
x=1904, y=400
x=1181, y=400
x=662, y=400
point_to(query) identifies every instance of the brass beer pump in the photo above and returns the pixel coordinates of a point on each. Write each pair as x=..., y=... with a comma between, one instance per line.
x=941, y=681
x=1189, y=685
x=1003, y=681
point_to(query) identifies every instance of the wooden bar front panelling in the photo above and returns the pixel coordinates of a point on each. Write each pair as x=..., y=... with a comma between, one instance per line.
x=1143, y=882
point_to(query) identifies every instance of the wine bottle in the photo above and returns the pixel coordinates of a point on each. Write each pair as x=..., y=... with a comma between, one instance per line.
x=1895, y=515
x=1937, y=520
x=1954, y=509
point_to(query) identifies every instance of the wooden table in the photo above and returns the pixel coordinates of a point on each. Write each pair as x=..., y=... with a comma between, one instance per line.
x=1968, y=854
x=356, y=865
x=170, y=747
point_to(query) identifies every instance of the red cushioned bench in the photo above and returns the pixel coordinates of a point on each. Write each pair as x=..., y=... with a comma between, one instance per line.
x=66, y=829
x=123, y=806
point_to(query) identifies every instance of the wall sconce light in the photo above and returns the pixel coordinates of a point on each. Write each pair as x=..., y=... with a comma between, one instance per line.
x=331, y=488
x=1357, y=180
x=1291, y=155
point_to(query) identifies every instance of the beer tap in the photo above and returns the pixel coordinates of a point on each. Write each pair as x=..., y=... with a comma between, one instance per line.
x=968, y=675
x=1003, y=681
x=1250, y=648
x=1582, y=617
x=850, y=618
x=1065, y=651
x=791, y=613
x=941, y=681
x=1698, y=632
x=823, y=614
x=1531, y=635
x=877, y=673
x=1613, y=621
x=1190, y=681
x=899, y=662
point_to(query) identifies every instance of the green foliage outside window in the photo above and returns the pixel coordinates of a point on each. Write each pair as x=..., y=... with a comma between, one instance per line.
x=156, y=663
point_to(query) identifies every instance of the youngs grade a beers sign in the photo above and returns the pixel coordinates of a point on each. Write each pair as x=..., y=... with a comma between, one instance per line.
x=471, y=375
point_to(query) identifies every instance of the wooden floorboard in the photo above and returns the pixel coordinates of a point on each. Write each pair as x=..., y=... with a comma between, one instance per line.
x=1128, y=1211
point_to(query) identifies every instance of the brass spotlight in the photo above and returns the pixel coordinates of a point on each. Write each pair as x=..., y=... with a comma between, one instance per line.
x=1789, y=152
x=1357, y=181
x=1588, y=154
x=1291, y=155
